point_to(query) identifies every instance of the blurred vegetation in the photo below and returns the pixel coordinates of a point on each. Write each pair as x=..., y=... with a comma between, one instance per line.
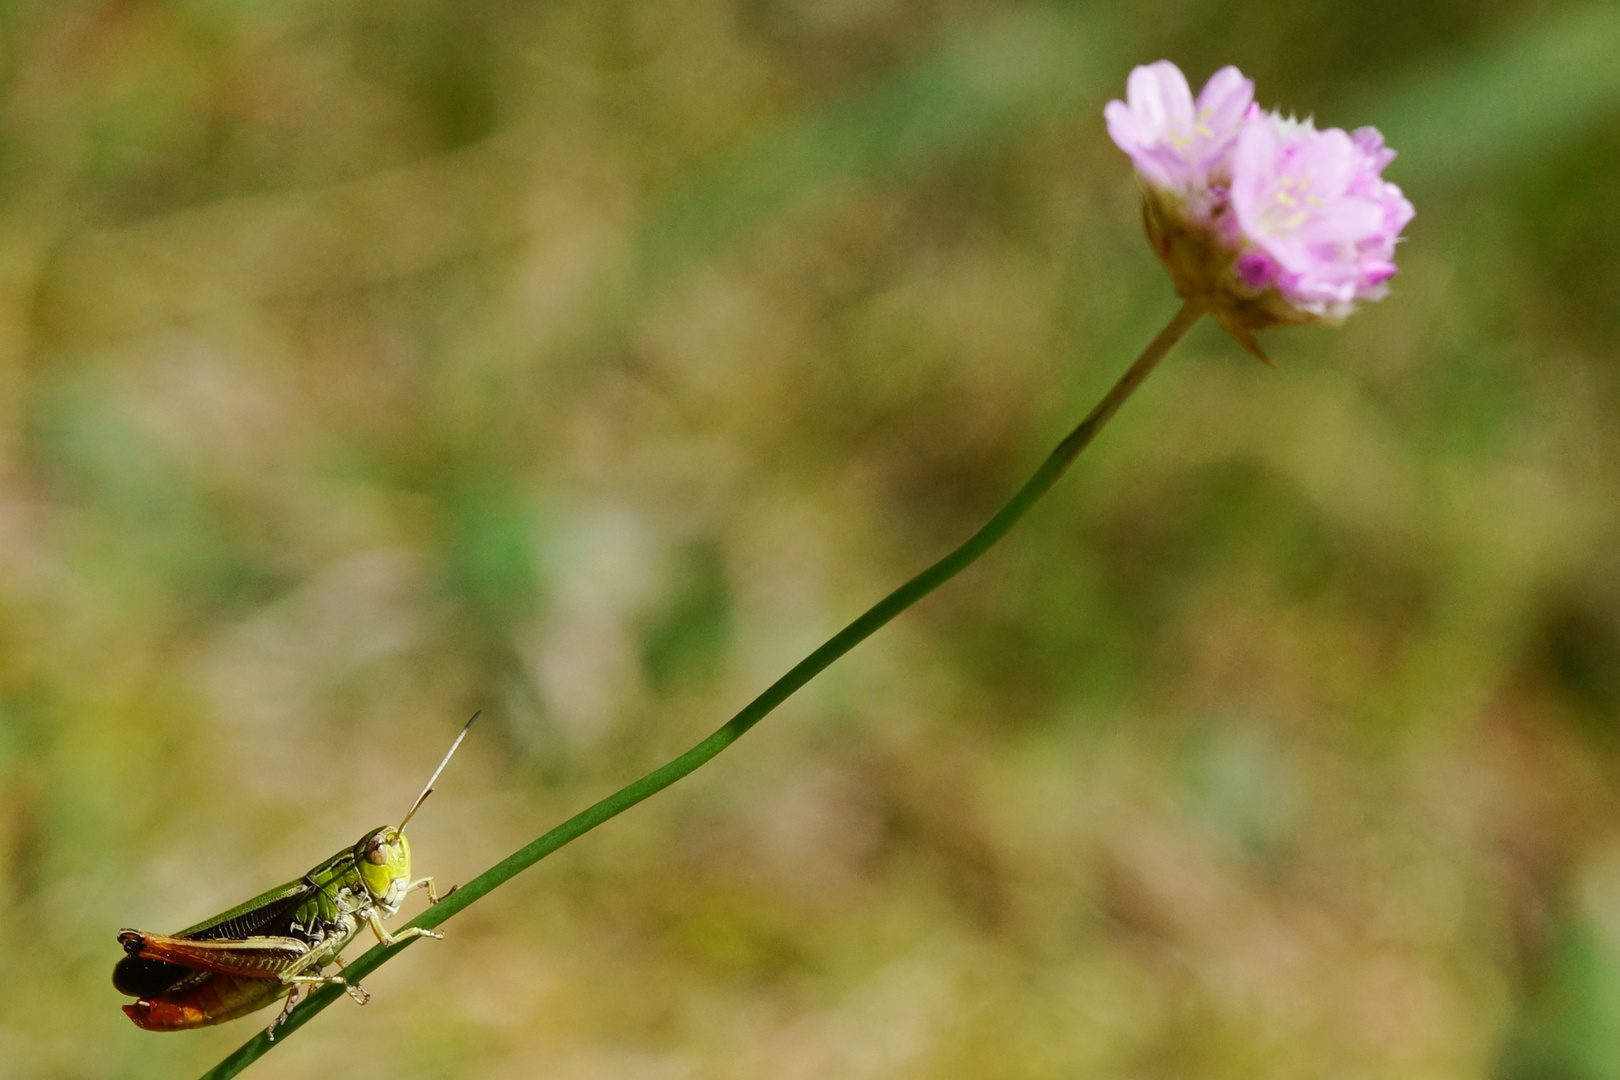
x=362, y=364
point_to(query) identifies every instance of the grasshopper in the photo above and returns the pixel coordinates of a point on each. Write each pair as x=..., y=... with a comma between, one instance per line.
x=278, y=942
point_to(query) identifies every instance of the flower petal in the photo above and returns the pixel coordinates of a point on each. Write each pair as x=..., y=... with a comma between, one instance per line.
x=1224, y=100
x=1160, y=97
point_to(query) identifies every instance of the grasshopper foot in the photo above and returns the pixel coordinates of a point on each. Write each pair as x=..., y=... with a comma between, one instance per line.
x=281, y=1017
x=433, y=894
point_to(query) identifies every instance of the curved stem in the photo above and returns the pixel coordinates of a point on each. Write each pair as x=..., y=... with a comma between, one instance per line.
x=805, y=670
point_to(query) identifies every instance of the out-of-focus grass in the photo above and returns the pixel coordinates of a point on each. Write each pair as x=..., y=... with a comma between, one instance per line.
x=360, y=365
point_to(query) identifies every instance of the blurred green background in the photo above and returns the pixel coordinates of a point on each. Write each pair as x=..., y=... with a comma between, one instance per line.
x=364, y=363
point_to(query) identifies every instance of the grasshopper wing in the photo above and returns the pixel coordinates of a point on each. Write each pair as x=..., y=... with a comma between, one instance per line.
x=268, y=915
x=247, y=958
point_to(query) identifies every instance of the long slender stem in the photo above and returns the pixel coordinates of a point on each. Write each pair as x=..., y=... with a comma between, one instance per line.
x=779, y=691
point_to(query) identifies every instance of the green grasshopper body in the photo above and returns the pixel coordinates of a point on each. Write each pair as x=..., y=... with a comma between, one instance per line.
x=274, y=944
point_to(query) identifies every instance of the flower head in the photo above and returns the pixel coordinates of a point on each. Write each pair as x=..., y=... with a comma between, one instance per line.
x=1260, y=219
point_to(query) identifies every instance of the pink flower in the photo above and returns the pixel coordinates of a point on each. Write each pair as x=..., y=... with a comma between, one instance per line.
x=1260, y=220
x=1315, y=217
x=1174, y=142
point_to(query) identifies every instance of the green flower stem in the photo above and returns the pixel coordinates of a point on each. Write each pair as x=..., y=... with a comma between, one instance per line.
x=778, y=692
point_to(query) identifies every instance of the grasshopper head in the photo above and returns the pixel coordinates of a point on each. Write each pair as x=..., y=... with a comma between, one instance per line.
x=383, y=857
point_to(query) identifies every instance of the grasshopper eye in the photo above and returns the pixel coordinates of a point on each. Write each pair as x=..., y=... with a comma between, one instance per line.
x=376, y=854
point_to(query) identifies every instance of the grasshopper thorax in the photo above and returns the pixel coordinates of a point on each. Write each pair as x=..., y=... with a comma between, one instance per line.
x=383, y=859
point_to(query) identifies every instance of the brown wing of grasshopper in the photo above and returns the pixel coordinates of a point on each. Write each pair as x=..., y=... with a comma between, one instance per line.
x=248, y=958
x=270, y=914
x=194, y=982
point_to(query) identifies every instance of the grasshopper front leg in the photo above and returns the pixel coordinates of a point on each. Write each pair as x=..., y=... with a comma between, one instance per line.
x=385, y=938
x=427, y=883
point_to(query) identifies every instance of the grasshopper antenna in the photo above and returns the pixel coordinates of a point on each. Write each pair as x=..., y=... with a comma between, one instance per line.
x=420, y=799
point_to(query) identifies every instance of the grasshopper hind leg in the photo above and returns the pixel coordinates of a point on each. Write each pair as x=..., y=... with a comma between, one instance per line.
x=286, y=1011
